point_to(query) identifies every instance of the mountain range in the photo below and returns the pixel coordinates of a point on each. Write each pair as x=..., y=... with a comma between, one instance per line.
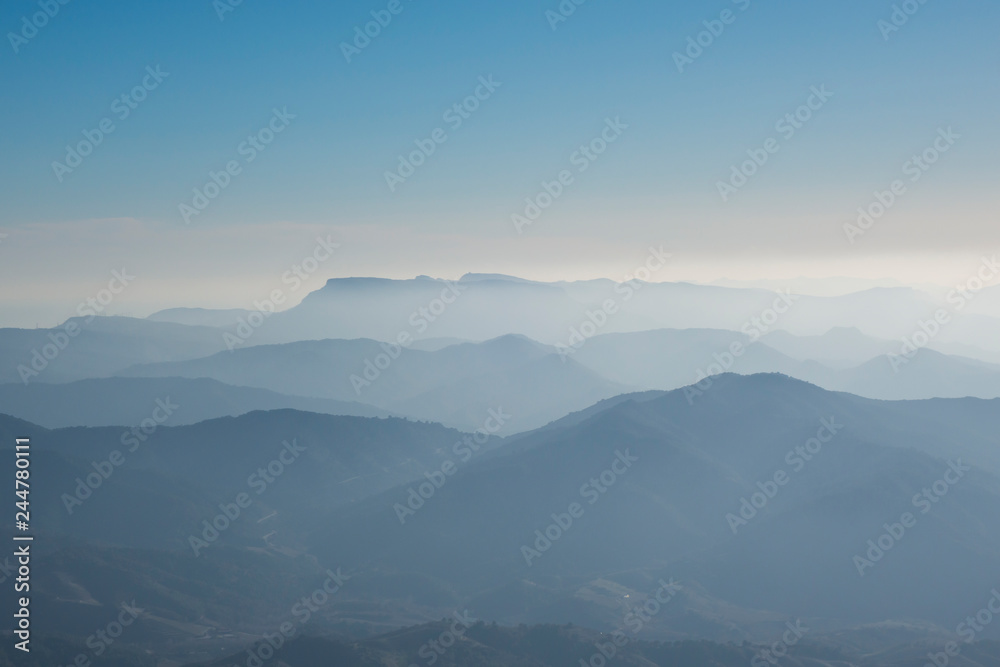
x=549, y=459
x=656, y=479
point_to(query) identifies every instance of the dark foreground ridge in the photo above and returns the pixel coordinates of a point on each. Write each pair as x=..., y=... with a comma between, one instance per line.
x=489, y=645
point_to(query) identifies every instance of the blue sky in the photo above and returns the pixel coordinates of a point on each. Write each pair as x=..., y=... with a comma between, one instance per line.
x=657, y=183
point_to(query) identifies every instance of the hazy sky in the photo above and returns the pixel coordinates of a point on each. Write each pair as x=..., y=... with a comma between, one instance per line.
x=220, y=80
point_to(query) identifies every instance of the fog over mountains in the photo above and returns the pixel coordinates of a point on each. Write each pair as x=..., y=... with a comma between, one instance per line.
x=481, y=307
x=448, y=351
x=500, y=334
x=679, y=475
x=703, y=470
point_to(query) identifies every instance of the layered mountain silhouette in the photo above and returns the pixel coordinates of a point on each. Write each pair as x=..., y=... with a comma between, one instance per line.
x=659, y=480
x=482, y=307
x=80, y=349
x=544, y=457
x=129, y=401
x=457, y=385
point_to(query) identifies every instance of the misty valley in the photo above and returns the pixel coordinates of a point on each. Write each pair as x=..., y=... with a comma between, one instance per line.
x=800, y=503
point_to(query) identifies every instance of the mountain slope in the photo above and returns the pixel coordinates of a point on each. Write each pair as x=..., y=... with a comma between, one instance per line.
x=840, y=360
x=128, y=401
x=694, y=465
x=668, y=474
x=457, y=385
x=168, y=479
x=98, y=348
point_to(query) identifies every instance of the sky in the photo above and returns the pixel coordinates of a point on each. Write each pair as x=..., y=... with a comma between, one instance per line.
x=310, y=117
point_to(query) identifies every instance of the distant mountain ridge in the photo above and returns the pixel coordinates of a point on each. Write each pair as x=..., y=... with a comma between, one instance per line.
x=128, y=401
x=456, y=385
x=491, y=305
